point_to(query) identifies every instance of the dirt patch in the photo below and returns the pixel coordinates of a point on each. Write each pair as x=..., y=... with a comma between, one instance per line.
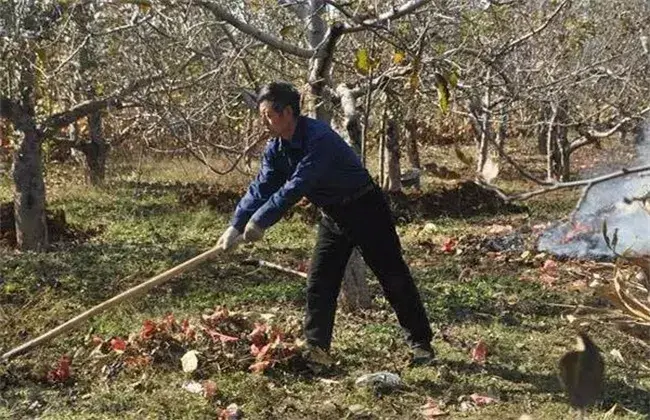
x=58, y=229
x=465, y=199
x=216, y=197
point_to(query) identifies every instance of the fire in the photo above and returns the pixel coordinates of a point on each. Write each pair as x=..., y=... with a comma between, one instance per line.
x=577, y=229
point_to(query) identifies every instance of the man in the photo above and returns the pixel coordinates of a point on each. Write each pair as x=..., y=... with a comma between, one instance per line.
x=306, y=158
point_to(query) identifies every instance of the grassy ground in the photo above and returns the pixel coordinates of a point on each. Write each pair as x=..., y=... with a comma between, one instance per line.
x=143, y=228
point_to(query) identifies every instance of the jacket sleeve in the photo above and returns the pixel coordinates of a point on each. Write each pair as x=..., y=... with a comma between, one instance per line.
x=267, y=182
x=309, y=171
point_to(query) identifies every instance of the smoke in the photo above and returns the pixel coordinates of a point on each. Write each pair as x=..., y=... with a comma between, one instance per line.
x=582, y=237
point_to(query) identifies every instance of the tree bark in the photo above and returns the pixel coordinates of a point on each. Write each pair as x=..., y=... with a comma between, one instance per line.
x=355, y=292
x=486, y=134
x=96, y=151
x=542, y=130
x=27, y=170
x=551, y=144
x=5, y=145
x=563, y=155
x=558, y=147
x=392, y=182
x=29, y=193
x=412, y=149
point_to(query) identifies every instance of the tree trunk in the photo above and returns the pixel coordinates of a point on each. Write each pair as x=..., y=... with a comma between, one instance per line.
x=392, y=182
x=557, y=144
x=27, y=169
x=486, y=132
x=542, y=130
x=29, y=193
x=382, y=149
x=502, y=132
x=96, y=151
x=412, y=150
x=563, y=163
x=5, y=146
x=355, y=292
x=551, y=144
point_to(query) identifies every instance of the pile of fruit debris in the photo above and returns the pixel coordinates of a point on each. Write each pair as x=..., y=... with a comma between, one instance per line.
x=218, y=341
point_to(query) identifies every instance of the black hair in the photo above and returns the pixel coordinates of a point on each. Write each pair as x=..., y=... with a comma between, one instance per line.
x=281, y=95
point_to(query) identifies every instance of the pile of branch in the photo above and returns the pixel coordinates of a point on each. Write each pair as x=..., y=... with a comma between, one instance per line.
x=630, y=290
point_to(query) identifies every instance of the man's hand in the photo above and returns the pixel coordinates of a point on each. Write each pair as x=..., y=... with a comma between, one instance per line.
x=229, y=239
x=253, y=232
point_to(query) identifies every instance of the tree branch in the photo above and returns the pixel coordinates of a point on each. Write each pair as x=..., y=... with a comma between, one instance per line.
x=65, y=118
x=591, y=136
x=561, y=185
x=397, y=12
x=534, y=32
x=222, y=14
x=380, y=80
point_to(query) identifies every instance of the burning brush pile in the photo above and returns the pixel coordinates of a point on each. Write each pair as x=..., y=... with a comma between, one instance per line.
x=622, y=204
x=222, y=340
x=612, y=222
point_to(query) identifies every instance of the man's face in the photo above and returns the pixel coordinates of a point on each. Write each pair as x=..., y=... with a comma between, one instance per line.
x=276, y=122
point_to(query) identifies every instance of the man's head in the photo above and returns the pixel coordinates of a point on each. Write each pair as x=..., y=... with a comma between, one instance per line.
x=279, y=106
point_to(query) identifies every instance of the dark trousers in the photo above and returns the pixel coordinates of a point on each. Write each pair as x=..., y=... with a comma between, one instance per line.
x=368, y=224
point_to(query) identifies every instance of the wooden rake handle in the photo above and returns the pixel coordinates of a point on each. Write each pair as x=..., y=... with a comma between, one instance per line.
x=135, y=291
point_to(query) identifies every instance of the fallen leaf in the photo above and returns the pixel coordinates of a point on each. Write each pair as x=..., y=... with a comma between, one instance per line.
x=232, y=412
x=358, y=410
x=303, y=266
x=61, y=372
x=258, y=335
x=118, y=344
x=189, y=361
x=547, y=280
x=217, y=336
x=260, y=367
x=267, y=317
x=617, y=355
x=148, y=329
x=549, y=266
x=193, y=387
x=482, y=400
x=209, y=389
x=448, y=246
x=479, y=352
x=169, y=322
x=429, y=228
x=611, y=412
x=188, y=330
x=137, y=361
x=432, y=410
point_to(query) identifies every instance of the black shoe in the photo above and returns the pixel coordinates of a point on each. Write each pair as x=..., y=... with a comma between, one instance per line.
x=317, y=359
x=423, y=356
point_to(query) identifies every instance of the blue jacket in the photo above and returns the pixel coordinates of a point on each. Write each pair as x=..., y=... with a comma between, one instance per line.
x=316, y=163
